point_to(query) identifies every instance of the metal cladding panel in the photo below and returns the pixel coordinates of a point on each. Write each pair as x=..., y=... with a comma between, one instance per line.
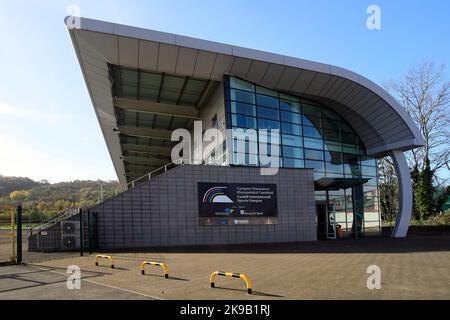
x=128, y=52
x=104, y=45
x=221, y=66
x=317, y=84
x=327, y=87
x=303, y=81
x=351, y=92
x=272, y=75
x=240, y=67
x=167, y=58
x=257, y=71
x=287, y=78
x=204, y=65
x=148, y=55
x=187, y=59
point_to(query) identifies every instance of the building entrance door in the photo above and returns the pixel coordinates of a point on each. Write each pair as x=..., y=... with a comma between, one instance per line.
x=326, y=220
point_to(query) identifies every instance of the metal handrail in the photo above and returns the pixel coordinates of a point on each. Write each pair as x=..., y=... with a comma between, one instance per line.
x=166, y=167
x=55, y=219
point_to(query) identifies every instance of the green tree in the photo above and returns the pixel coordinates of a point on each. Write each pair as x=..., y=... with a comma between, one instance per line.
x=424, y=190
x=36, y=215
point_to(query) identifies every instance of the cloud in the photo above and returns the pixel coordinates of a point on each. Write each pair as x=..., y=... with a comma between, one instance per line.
x=30, y=114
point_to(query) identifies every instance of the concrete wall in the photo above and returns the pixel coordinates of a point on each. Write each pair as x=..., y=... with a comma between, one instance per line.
x=164, y=211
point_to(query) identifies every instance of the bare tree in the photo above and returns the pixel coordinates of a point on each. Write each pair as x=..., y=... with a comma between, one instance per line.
x=388, y=186
x=425, y=95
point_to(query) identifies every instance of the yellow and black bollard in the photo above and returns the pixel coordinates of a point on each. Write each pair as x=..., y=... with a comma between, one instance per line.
x=110, y=258
x=158, y=264
x=231, y=275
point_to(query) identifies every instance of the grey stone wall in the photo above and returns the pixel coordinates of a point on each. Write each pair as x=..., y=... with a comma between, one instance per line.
x=164, y=211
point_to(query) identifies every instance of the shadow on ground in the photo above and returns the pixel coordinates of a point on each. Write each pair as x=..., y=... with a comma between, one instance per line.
x=415, y=242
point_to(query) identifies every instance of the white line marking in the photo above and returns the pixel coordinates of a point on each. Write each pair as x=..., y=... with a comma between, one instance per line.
x=99, y=283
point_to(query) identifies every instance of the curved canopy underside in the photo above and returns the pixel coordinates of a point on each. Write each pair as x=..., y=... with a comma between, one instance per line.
x=381, y=123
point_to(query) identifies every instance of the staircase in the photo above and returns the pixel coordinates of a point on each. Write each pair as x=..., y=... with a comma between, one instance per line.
x=64, y=215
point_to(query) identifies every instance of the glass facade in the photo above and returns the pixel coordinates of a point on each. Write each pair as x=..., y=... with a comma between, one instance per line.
x=311, y=136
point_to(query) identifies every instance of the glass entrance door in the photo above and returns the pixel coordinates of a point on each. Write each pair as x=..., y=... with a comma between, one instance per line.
x=326, y=220
x=331, y=223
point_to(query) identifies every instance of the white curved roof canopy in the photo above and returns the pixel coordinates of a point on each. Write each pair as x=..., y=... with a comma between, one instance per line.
x=381, y=123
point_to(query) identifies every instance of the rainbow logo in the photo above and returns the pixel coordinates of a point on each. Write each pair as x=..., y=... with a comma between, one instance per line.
x=216, y=195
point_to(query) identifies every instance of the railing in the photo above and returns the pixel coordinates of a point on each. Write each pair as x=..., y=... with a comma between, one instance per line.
x=158, y=171
x=68, y=213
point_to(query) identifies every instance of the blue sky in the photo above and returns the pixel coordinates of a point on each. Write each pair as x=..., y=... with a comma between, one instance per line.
x=48, y=129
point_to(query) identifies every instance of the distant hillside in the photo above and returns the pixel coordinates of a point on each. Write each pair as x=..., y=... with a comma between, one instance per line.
x=10, y=184
x=42, y=199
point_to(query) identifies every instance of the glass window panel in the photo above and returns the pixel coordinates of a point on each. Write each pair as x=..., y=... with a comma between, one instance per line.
x=290, y=117
x=290, y=106
x=352, y=170
x=348, y=148
x=349, y=138
x=289, y=140
x=268, y=113
x=150, y=80
x=129, y=92
x=313, y=154
x=311, y=121
x=311, y=132
x=293, y=163
x=266, y=101
x=333, y=146
x=245, y=146
x=291, y=128
x=195, y=87
x=268, y=124
x=243, y=121
x=241, y=84
x=269, y=149
x=128, y=77
x=242, y=96
x=345, y=127
x=331, y=135
x=269, y=137
x=267, y=92
x=313, y=143
x=245, y=159
x=316, y=165
x=372, y=182
x=318, y=175
x=330, y=114
x=369, y=171
x=331, y=124
x=243, y=108
x=311, y=110
x=289, y=97
x=333, y=156
x=292, y=152
x=148, y=94
x=189, y=99
x=350, y=158
x=334, y=168
x=366, y=161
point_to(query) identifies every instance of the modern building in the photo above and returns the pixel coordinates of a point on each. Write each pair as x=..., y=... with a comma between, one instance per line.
x=333, y=125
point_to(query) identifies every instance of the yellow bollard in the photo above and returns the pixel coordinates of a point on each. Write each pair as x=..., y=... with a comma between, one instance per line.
x=231, y=275
x=110, y=258
x=158, y=264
